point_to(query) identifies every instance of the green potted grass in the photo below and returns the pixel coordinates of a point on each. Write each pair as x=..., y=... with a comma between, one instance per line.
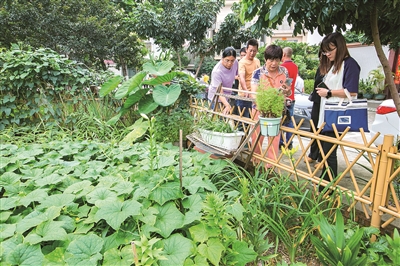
x=219, y=133
x=270, y=103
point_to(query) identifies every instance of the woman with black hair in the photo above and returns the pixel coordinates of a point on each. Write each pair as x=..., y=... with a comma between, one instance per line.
x=341, y=72
x=224, y=72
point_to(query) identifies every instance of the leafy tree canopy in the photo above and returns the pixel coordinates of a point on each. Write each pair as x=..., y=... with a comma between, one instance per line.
x=173, y=22
x=89, y=31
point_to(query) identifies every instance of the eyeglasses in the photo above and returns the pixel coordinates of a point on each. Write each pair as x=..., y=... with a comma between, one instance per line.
x=330, y=52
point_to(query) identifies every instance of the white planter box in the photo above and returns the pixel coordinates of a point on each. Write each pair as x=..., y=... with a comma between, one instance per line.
x=228, y=141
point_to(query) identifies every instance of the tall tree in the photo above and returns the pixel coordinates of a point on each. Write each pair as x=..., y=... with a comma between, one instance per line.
x=379, y=20
x=89, y=31
x=172, y=23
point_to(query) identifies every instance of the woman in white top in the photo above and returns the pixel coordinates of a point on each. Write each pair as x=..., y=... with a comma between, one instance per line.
x=341, y=72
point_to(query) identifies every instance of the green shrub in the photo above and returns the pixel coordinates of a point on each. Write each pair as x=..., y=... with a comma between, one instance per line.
x=37, y=85
x=308, y=86
x=168, y=124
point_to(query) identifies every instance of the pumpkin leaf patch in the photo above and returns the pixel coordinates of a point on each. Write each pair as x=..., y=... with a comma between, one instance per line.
x=83, y=203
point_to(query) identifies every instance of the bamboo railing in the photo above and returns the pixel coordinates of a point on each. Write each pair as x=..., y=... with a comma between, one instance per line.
x=367, y=173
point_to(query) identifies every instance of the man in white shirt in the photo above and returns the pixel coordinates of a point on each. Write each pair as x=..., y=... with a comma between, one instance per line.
x=299, y=85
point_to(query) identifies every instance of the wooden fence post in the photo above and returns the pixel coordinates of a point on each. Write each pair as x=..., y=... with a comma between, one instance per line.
x=381, y=175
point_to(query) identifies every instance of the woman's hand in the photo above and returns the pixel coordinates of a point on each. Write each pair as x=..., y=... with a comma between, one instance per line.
x=287, y=91
x=323, y=92
x=227, y=109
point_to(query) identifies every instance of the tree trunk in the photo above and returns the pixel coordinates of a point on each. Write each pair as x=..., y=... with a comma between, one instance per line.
x=198, y=68
x=384, y=61
x=179, y=58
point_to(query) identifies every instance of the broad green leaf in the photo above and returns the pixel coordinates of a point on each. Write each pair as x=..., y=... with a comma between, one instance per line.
x=161, y=79
x=7, y=149
x=123, y=187
x=58, y=200
x=77, y=188
x=84, y=250
x=242, y=254
x=202, y=232
x=166, y=96
x=6, y=230
x=129, y=85
x=134, y=98
x=83, y=228
x=132, y=85
x=4, y=215
x=115, y=212
x=114, y=119
x=35, y=218
x=165, y=161
x=212, y=250
x=83, y=210
x=121, y=92
x=25, y=254
x=50, y=180
x=8, y=245
x=7, y=203
x=36, y=195
x=159, y=68
x=149, y=216
x=276, y=8
x=193, y=183
x=47, y=231
x=177, y=249
x=5, y=161
x=99, y=195
x=138, y=130
x=166, y=192
x=108, y=181
x=236, y=210
x=193, y=202
x=191, y=216
x=30, y=152
x=8, y=178
x=68, y=150
x=116, y=239
x=56, y=257
x=169, y=218
x=68, y=223
x=109, y=85
x=147, y=105
x=115, y=256
x=70, y=164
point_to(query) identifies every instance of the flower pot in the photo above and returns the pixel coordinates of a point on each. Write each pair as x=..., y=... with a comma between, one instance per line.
x=368, y=96
x=228, y=141
x=270, y=126
x=379, y=96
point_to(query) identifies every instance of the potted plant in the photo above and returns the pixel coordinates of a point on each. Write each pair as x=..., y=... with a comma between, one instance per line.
x=365, y=87
x=378, y=81
x=219, y=133
x=270, y=103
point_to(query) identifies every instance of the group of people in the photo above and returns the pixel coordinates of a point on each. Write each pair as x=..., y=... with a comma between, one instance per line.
x=337, y=69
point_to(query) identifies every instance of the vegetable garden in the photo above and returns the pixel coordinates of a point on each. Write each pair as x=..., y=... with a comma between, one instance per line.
x=89, y=179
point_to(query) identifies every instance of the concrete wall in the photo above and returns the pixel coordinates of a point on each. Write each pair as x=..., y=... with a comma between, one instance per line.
x=366, y=57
